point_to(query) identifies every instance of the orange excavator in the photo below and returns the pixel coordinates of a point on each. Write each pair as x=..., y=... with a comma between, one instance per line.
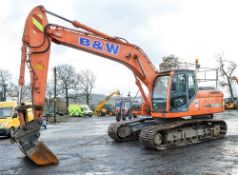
x=173, y=95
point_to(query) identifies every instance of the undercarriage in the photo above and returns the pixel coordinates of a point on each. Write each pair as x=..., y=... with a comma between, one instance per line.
x=160, y=134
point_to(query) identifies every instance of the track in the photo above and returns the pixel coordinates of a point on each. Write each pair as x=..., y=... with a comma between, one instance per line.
x=164, y=136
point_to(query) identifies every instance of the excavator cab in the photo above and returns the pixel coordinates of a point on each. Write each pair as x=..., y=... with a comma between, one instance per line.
x=173, y=91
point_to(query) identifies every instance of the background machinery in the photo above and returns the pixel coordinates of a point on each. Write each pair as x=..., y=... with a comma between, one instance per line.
x=123, y=108
x=103, y=109
x=232, y=102
x=235, y=78
x=172, y=95
x=127, y=107
x=236, y=98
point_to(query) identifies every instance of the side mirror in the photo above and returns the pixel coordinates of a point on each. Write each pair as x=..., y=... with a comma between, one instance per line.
x=14, y=115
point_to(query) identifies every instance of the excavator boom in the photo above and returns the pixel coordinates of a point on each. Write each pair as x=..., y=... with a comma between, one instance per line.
x=39, y=34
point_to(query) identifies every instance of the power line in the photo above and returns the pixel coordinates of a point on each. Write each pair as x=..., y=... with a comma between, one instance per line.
x=7, y=33
x=5, y=38
x=9, y=27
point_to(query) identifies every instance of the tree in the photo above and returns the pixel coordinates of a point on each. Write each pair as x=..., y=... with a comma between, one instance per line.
x=226, y=69
x=5, y=76
x=88, y=83
x=50, y=94
x=170, y=62
x=26, y=93
x=13, y=92
x=68, y=81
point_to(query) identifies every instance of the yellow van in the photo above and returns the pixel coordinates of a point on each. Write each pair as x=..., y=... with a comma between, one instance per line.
x=9, y=120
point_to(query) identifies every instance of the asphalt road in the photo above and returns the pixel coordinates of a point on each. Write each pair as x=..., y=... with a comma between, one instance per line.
x=83, y=147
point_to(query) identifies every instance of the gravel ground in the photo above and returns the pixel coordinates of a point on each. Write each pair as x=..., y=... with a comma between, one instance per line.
x=83, y=147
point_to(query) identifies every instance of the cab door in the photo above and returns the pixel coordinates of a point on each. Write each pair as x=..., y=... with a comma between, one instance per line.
x=183, y=90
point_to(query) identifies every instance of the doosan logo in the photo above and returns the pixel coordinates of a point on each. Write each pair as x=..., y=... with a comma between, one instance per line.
x=108, y=47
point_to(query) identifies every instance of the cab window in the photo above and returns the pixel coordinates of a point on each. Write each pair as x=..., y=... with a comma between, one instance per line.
x=191, y=85
x=178, y=84
x=178, y=100
x=160, y=93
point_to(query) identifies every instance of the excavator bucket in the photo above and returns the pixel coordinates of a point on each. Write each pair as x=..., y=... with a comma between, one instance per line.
x=35, y=150
x=39, y=153
x=42, y=155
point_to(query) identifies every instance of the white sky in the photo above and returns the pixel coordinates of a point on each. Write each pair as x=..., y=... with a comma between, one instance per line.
x=188, y=29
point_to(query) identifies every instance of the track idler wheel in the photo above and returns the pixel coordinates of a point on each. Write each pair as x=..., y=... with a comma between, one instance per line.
x=158, y=139
x=35, y=150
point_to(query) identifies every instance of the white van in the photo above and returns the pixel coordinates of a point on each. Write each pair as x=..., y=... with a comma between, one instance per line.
x=87, y=110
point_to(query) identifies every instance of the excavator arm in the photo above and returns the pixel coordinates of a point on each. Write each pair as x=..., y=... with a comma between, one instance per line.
x=37, y=38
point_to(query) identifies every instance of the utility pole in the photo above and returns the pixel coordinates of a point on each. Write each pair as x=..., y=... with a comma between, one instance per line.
x=216, y=77
x=54, y=94
x=4, y=92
